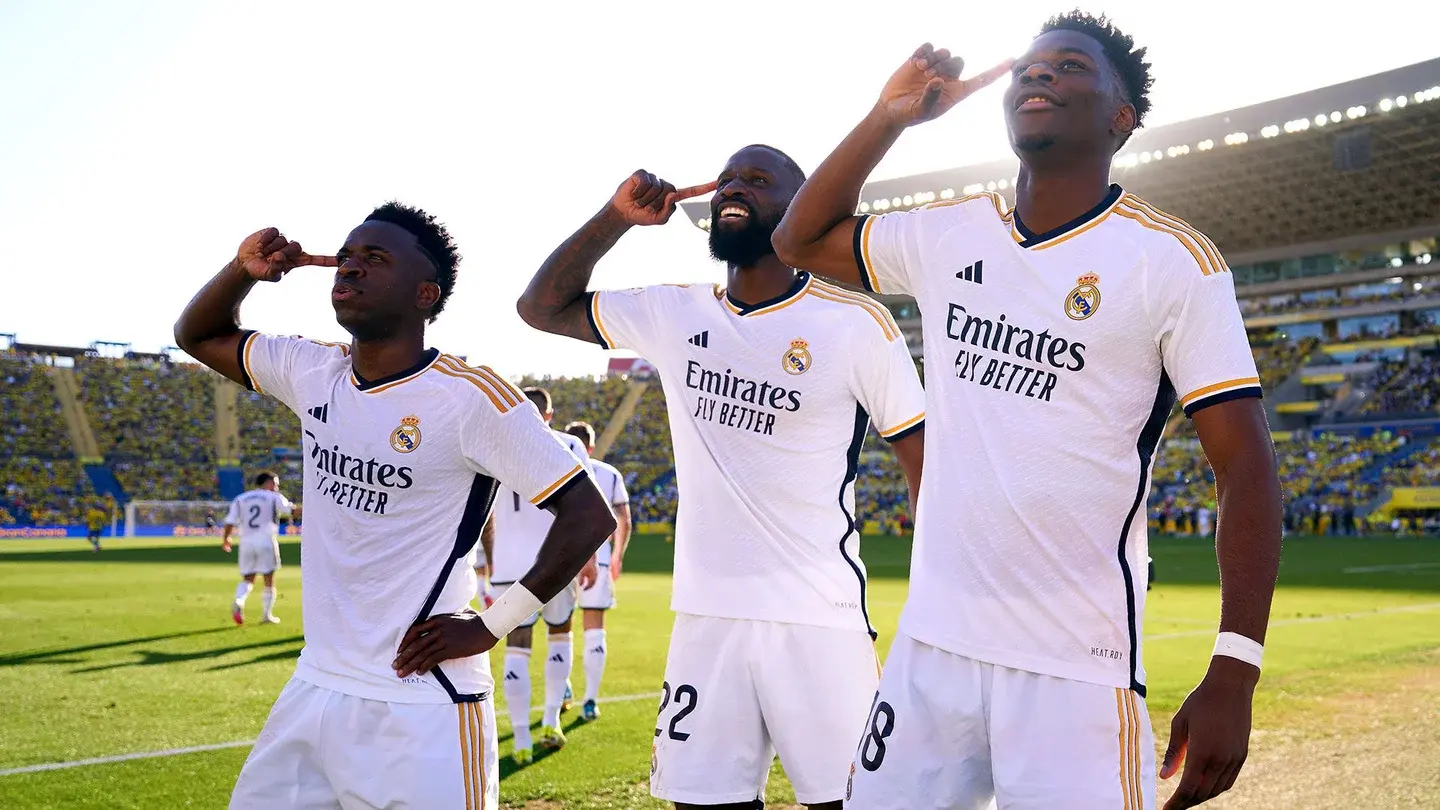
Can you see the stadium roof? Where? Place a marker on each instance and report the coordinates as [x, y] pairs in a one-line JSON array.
[[1289, 177]]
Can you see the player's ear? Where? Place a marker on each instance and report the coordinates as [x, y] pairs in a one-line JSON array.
[[1123, 122], [427, 295]]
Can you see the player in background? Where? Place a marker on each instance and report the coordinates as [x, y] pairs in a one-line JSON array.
[[1017, 671], [515, 531], [94, 523], [258, 514], [770, 382], [390, 704], [600, 597]]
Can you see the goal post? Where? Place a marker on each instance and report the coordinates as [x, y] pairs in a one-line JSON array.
[[174, 518]]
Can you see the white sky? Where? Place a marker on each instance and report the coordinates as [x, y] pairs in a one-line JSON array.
[[141, 141]]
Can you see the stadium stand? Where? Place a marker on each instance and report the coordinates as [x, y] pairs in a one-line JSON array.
[[155, 422], [1324, 204]]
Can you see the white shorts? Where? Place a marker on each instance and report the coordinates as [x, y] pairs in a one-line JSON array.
[[949, 731], [601, 595], [736, 692], [257, 558], [326, 749], [555, 612]]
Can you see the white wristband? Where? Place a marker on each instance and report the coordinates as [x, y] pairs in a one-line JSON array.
[[511, 610], [1240, 648]]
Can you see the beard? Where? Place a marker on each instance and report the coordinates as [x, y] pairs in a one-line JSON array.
[[742, 247], [1034, 143]]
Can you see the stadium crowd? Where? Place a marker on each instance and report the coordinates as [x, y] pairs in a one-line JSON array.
[[155, 423]]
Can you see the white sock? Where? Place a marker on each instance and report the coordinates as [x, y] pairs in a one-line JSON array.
[[557, 675], [269, 600], [594, 662], [517, 693], [241, 591]]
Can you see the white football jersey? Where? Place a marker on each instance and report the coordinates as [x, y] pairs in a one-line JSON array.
[[768, 406], [1052, 361], [400, 474], [520, 526], [612, 485], [257, 513]]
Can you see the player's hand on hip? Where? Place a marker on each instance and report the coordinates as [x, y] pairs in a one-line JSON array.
[[929, 84], [1210, 735], [589, 574], [644, 199], [441, 638], [267, 256]]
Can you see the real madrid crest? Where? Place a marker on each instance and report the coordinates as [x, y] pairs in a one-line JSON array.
[[406, 438], [796, 359], [1084, 300]]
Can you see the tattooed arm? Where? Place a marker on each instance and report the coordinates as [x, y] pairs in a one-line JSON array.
[[555, 300]]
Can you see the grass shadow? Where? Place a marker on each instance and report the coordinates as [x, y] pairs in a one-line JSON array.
[[49, 656], [150, 658], [507, 762]]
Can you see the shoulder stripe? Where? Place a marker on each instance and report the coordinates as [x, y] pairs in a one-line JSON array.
[[1216, 259], [501, 405], [874, 308], [1189, 242], [502, 386], [343, 347]]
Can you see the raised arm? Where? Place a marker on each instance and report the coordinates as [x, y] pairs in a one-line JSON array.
[[818, 231], [1211, 732], [209, 328], [555, 301]]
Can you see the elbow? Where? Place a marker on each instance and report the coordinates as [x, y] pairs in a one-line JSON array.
[[788, 249], [532, 313], [183, 338]]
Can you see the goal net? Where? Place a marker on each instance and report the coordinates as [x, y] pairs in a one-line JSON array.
[[174, 518]]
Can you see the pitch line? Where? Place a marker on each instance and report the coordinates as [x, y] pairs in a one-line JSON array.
[[195, 749], [1334, 617]]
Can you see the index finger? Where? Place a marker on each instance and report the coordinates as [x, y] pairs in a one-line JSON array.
[[695, 191], [317, 261], [989, 76]]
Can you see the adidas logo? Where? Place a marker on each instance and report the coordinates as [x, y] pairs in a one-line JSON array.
[[973, 272], [558, 658], [702, 340], [599, 650], [512, 676], [320, 411]]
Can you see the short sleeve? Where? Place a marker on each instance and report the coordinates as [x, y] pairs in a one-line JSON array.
[[619, 495], [271, 363], [880, 251], [626, 319], [232, 517], [284, 506], [1201, 333], [888, 387], [512, 444]]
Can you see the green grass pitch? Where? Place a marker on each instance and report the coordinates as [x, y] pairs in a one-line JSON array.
[[133, 651]]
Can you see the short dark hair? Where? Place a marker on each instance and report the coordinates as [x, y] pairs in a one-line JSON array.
[[264, 478], [788, 161], [539, 396], [582, 431], [434, 240], [1128, 60]]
